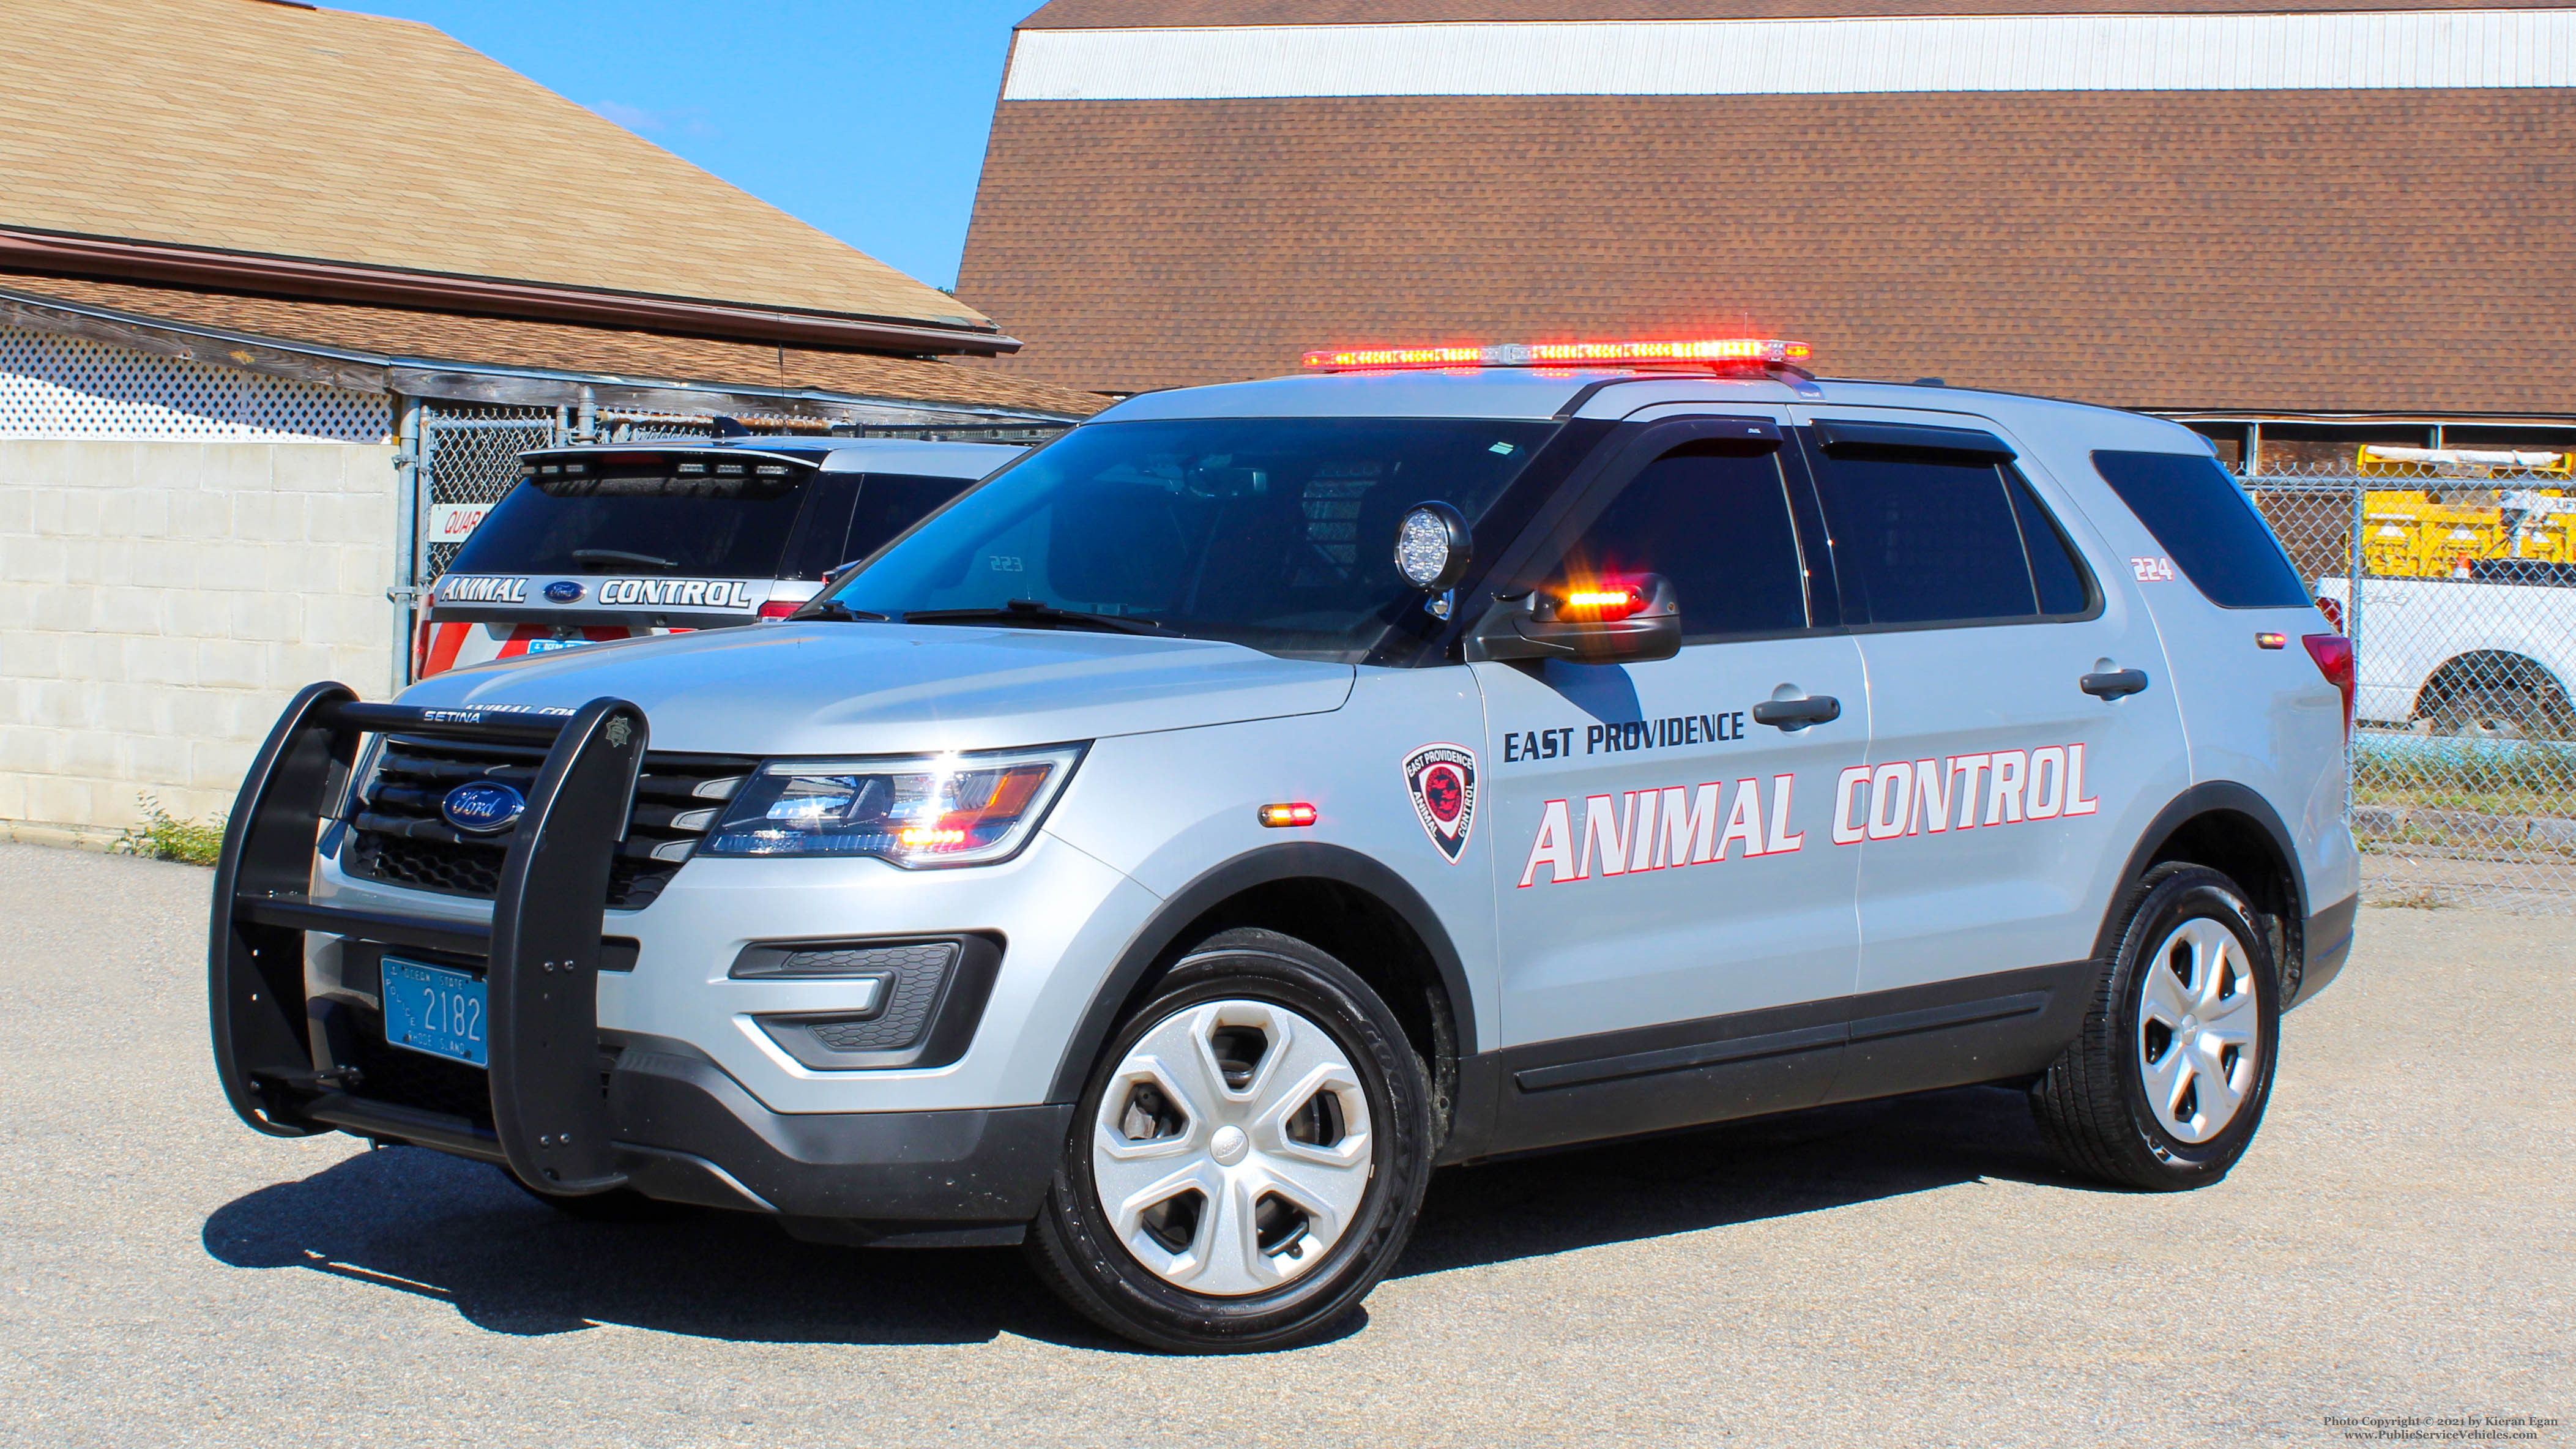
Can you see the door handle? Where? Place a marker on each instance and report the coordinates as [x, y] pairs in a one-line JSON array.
[[1796, 714], [2114, 684]]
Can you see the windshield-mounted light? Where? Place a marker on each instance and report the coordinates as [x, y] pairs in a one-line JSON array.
[[914, 811]]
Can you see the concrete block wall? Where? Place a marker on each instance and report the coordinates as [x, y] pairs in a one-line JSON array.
[[159, 603]]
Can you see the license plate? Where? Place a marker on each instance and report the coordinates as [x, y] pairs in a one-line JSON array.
[[546, 646], [435, 1011]]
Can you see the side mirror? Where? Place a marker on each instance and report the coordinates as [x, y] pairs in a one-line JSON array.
[[1632, 618]]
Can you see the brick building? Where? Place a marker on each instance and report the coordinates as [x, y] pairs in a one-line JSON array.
[[2340, 224]]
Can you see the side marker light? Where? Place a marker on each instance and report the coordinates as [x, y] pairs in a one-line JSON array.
[[2269, 640], [1279, 817]]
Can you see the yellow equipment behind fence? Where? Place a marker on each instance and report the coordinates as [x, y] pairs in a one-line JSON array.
[[2466, 504]]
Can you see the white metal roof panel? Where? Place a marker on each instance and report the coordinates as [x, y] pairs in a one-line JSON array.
[[2346, 50]]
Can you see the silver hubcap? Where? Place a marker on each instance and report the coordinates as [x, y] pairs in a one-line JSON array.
[[2196, 1037], [1232, 1150]]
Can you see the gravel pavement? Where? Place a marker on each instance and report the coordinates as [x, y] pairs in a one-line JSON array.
[[2401, 1242]]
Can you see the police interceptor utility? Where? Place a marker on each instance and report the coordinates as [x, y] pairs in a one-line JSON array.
[[595, 543], [1171, 851]]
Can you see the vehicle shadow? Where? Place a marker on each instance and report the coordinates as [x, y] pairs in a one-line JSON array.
[[418, 1222], [1710, 1177], [414, 1221]]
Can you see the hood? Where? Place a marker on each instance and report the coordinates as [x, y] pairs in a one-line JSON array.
[[884, 689]]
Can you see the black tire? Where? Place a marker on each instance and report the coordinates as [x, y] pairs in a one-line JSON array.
[[1078, 1253], [2092, 1104], [617, 1205], [2513, 714]]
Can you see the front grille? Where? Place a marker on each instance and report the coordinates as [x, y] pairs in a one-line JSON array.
[[400, 838]]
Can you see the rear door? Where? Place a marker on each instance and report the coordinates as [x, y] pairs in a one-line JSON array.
[[1999, 798], [1677, 933]]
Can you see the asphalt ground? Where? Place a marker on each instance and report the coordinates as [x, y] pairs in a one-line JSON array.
[[2400, 1243]]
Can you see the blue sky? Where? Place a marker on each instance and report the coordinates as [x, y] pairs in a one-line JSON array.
[[865, 118]]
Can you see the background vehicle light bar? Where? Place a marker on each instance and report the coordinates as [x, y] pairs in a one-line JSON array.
[[1754, 351]]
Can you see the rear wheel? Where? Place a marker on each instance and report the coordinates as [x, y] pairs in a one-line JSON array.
[[1247, 1158], [2168, 1082], [2493, 714]]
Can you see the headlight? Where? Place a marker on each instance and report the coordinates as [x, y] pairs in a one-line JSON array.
[[922, 810]]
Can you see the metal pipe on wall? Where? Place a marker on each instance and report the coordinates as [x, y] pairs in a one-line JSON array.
[[410, 504]]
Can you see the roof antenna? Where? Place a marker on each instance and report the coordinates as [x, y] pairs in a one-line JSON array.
[[730, 427]]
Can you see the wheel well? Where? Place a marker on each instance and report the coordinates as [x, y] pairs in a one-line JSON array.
[[2481, 670], [2239, 847], [1365, 934]]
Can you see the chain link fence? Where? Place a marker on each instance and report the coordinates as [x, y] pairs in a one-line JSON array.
[[2456, 579], [469, 457]]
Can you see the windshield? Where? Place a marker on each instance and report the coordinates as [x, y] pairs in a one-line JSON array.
[[734, 527], [1277, 533]]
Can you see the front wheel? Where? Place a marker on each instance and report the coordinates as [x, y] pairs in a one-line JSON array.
[[2165, 1087], [1247, 1158]]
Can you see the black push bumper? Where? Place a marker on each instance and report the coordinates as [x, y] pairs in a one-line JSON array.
[[569, 1111]]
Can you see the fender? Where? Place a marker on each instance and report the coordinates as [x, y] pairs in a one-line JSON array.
[[1298, 860], [2201, 799]]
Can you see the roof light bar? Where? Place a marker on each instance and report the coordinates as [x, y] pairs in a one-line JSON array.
[[1748, 351]]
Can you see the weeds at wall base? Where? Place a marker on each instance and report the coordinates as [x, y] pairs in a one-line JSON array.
[[164, 836]]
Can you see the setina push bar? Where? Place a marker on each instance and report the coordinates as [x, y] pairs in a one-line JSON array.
[[550, 1119]]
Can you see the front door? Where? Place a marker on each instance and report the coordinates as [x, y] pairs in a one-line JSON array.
[[1999, 799], [1677, 932]]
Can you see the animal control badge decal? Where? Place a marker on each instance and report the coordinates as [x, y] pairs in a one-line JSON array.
[[1442, 779]]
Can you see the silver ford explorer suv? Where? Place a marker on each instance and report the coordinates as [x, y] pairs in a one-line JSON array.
[[1176, 848]]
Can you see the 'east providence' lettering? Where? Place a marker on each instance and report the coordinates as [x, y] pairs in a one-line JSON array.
[[1636, 734]]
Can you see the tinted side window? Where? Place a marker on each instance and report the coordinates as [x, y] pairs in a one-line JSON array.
[[889, 503], [2196, 511], [1929, 540], [1715, 521], [2055, 570]]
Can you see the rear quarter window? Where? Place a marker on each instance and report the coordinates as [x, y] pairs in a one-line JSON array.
[[2204, 523]]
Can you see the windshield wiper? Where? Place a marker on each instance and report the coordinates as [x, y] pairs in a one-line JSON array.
[[838, 612], [619, 555], [1032, 614]]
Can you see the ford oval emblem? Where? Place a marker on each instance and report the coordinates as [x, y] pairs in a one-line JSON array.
[[483, 807], [563, 591]]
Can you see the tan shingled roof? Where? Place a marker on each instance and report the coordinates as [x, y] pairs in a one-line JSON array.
[[644, 357], [2298, 250], [286, 131], [1135, 14]]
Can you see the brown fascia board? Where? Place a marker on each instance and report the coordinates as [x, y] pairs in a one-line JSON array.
[[437, 291], [467, 382]]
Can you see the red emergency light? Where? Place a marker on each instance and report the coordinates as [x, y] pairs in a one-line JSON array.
[[1748, 352], [1601, 603]]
